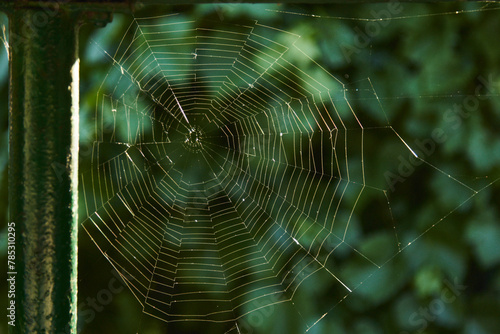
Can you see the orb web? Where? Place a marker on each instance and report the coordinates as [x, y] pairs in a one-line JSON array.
[[227, 167]]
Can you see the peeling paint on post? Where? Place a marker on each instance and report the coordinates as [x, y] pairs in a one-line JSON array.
[[43, 123]]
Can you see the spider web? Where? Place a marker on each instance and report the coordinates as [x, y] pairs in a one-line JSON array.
[[226, 176]]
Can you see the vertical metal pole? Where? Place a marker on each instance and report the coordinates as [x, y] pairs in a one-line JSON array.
[[43, 150]]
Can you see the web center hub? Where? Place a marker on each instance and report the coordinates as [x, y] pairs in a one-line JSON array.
[[194, 138]]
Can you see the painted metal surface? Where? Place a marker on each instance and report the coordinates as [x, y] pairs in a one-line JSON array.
[[131, 5], [43, 149]]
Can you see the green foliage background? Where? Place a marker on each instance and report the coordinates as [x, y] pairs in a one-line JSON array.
[[420, 65]]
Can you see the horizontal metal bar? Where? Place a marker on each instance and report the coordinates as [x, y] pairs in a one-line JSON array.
[[132, 5]]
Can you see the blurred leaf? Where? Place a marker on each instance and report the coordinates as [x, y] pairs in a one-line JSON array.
[[483, 233], [428, 281]]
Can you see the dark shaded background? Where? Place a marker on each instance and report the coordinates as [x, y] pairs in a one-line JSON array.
[[421, 65]]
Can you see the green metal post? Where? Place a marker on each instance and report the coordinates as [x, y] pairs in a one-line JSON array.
[[43, 123]]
